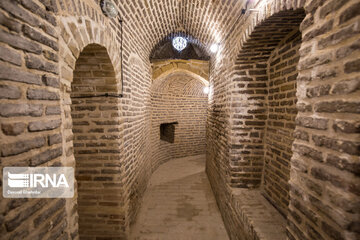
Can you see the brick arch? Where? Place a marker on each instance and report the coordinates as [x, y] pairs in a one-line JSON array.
[[178, 97], [180, 82], [265, 10], [97, 149], [93, 123], [196, 68], [264, 108], [76, 34], [164, 49], [181, 70]]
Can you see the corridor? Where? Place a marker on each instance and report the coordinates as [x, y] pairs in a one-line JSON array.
[[129, 96], [179, 204]]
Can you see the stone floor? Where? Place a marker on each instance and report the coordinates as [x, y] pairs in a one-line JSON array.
[[179, 204]]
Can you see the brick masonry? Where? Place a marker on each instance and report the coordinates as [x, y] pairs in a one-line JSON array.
[[263, 98], [42, 40], [264, 107], [178, 96], [97, 148], [324, 66], [280, 125]]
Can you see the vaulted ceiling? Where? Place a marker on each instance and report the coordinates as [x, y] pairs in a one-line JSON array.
[[207, 20], [180, 83]]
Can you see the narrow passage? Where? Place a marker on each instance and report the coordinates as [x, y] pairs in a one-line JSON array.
[[179, 204]]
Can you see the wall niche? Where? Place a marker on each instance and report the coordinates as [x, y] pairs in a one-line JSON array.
[[167, 132]]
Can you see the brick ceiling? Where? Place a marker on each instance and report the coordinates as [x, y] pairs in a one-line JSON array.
[[179, 84], [207, 20]]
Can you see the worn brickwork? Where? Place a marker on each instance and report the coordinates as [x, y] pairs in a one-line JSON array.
[[41, 41], [97, 147], [264, 108], [324, 180], [325, 64], [253, 106], [30, 116], [36, 27], [252, 109], [75, 37], [178, 97], [280, 125]]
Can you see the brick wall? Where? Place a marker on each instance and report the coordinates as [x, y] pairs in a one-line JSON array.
[[178, 97], [42, 42], [324, 178], [137, 117], [253, 108], [42, 39], [264, 108], [30, 115], [97, 147], [280, 125], [329, 35]]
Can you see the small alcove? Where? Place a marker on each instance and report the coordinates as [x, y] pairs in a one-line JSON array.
[[167, 132]]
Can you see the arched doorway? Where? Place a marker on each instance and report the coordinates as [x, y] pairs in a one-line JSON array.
[[266, 85], [97, 145], [179, 107]]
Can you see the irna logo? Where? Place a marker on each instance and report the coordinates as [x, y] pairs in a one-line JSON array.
[[36, 180]]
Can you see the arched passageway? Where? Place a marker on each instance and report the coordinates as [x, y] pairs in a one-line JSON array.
[[178, 115], [97, 147], [306, 167], [262, 130], [178, 106], [266, 73]]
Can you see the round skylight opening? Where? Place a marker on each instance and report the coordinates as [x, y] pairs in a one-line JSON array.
[[179, 43]]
